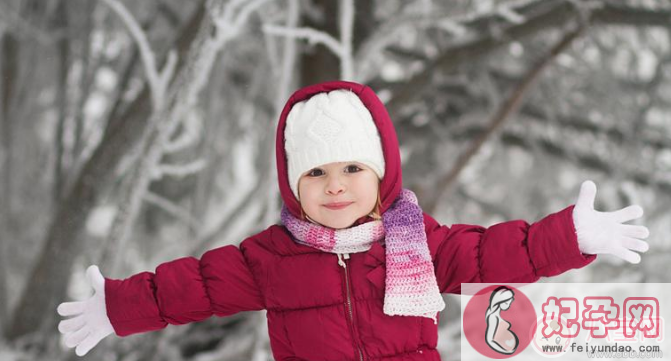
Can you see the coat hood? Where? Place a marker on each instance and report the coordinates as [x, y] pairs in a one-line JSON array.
[[390, 186]]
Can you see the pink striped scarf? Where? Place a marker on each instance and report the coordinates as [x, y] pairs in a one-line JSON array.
[[410, 288]]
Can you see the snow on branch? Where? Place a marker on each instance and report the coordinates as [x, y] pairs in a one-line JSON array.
[[346, 29], [158, 79], [227, 22], [243, 15], [510, 15], [311, 35], [452, 27], [181, 98], [288, 56], [192, 125], [342, 49], [178, 171], [172, 208], [585, 9]]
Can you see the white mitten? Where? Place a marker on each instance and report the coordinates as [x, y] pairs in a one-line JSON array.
[[604, 232], [90, 324]]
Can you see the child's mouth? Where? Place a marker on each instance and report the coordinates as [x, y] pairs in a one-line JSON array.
[[337, 205]]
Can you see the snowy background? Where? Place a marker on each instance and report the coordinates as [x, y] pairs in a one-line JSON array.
[[136, 132]]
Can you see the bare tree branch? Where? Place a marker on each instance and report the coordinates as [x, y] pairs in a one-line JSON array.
[[64, 237], [287, 72], [63, 45], [227, 22], [540, 16], [311, 35], [173, 209], [346, 30], [179, 171], [341, 48], [445, 183], [158, 79], [8, 69]]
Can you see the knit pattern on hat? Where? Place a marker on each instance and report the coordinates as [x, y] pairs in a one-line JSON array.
[[330, 127], [411, 288]]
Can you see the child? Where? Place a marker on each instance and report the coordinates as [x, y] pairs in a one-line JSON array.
[[356, 269]]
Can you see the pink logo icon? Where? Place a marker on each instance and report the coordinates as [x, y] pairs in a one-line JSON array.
[[497, 320]]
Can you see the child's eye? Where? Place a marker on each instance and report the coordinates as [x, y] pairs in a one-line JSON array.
[[352, 168], [315, 172]]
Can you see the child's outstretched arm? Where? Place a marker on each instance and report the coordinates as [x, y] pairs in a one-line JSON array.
[[519, 252], [181, 291]]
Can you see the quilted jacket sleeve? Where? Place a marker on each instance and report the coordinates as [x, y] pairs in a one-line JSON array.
[[181, 291], [509, 252]]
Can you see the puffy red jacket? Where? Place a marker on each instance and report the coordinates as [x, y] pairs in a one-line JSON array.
[[318, 310]]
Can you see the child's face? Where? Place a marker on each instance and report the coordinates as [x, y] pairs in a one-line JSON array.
[[337, 194]]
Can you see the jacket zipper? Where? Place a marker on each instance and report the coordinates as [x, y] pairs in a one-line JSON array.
[[343, 264]]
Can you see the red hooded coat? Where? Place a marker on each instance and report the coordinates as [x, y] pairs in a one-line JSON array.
[[306, 292]]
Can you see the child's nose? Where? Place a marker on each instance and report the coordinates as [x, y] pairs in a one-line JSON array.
[[335, 185]]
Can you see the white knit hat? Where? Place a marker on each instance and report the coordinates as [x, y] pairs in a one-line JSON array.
[[331, 127]]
